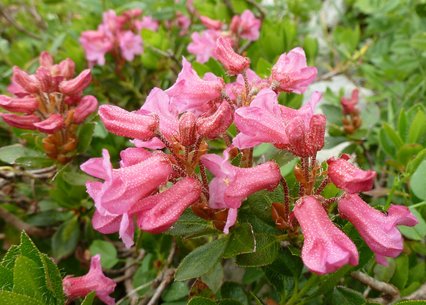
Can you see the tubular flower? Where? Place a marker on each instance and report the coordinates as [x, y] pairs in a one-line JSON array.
[[348, 177], [213, 125], [157, 213], [49, 101], [94, 280], [232, 185], [191, 93], [246, 26], [325, 247], [234, 63], [211, 24], [378, 230], [350, 105], [203, 44], [291, 73]]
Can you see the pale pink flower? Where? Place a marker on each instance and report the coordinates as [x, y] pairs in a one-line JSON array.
[[232, 185], [183, 23], [291, 73], [130, 45], [325, 247], [348, 177], [94, 280], [191, 93], [147, 22], [350, 105], [203, 44], [378, 230], [234, 63], [211, 24], [96, 44], [246, 26], [128, 124], [157, 213]]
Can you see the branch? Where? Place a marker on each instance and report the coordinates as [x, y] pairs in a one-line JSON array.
[[15, 24], [376, 284], [22, 226]]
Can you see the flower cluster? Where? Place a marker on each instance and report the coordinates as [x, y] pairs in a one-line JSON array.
[[50, 101], [118, 35], [245, 26], [351, 115]]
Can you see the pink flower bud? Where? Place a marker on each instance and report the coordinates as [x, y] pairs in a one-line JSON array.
[[211, 24], [77, 84], [159, 212], [187, 129], [52, 124], [45, 59], [291, 73], [94, 280], [348, 177], [350, 105], [85, 107], [128, 124], [233, 62], [66, 68], [20, 121], [26, 81], [25, 104], [213, 125], [246, 26], [48, 83], [378, 230], [325, 248]]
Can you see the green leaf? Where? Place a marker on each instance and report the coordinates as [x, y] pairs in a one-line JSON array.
[[9, 154], [65, 239], [266, 252], [342, 295], [106, 250], [413, 302], [88, 300], [175, 292], [190, 225], [27, 277], [85, 135], [263, 67], [233, 291], [201, 260], [8, 260], [241, 240], [417, 127], [418, 232], [392, 135], [228, 302], [6, 278], [417, 181], [12, 298], [201, 301], [214, 278], [400, 276]]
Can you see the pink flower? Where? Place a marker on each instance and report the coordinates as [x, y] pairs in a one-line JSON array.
[[96, 44], [235, 89], [94, 280], [232, 185], [378, 230], [348, 177], [350, 105], [130, 45], [20, 121], [128, 124], [233, 62], [246, 26], [291, 73], [212, 125], [124, 186], [325, 248], [113, 223], [76, 85], [183, 23], [187, 129], [52, 124], [87, 105], [28, 82], [211, 24], [147, 22], [203, 44], [26, 104], [192, 93], [157, 213]]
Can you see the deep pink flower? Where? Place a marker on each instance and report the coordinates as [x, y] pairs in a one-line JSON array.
[[28, 82], [212, 125], [20, 121], [232, 185], [128, 124], [234, 63], [26, 104], [76, 85], [350, 105], [52, 124], [147, 22], [246, 26], [130, 45], [45, 59], [87, 105], [348, 177], [378, 230], [203, 44], [211, 24], [157, 213], [325, 247], [187, 129], [96, 44], [291, 73], [192, 93], [124, 186], [94, 280]]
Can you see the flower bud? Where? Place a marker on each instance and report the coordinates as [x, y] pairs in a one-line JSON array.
[[20, 121], [187, 129], [66, 68], [45, 59], [25, 104], [216, 124], [26, 81], [85, 107], [233, 62], [211, 24], [52, 124], [77, 84]]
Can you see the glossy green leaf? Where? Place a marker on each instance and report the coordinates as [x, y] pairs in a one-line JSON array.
[[106, 250], [65, 239], [241, 240], [266, 252], [417, 181]]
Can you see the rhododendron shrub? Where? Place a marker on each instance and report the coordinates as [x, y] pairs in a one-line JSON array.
[[212, 152]]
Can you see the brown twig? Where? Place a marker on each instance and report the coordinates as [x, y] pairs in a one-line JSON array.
[[375, 284], [23, 226], [15, 24]]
